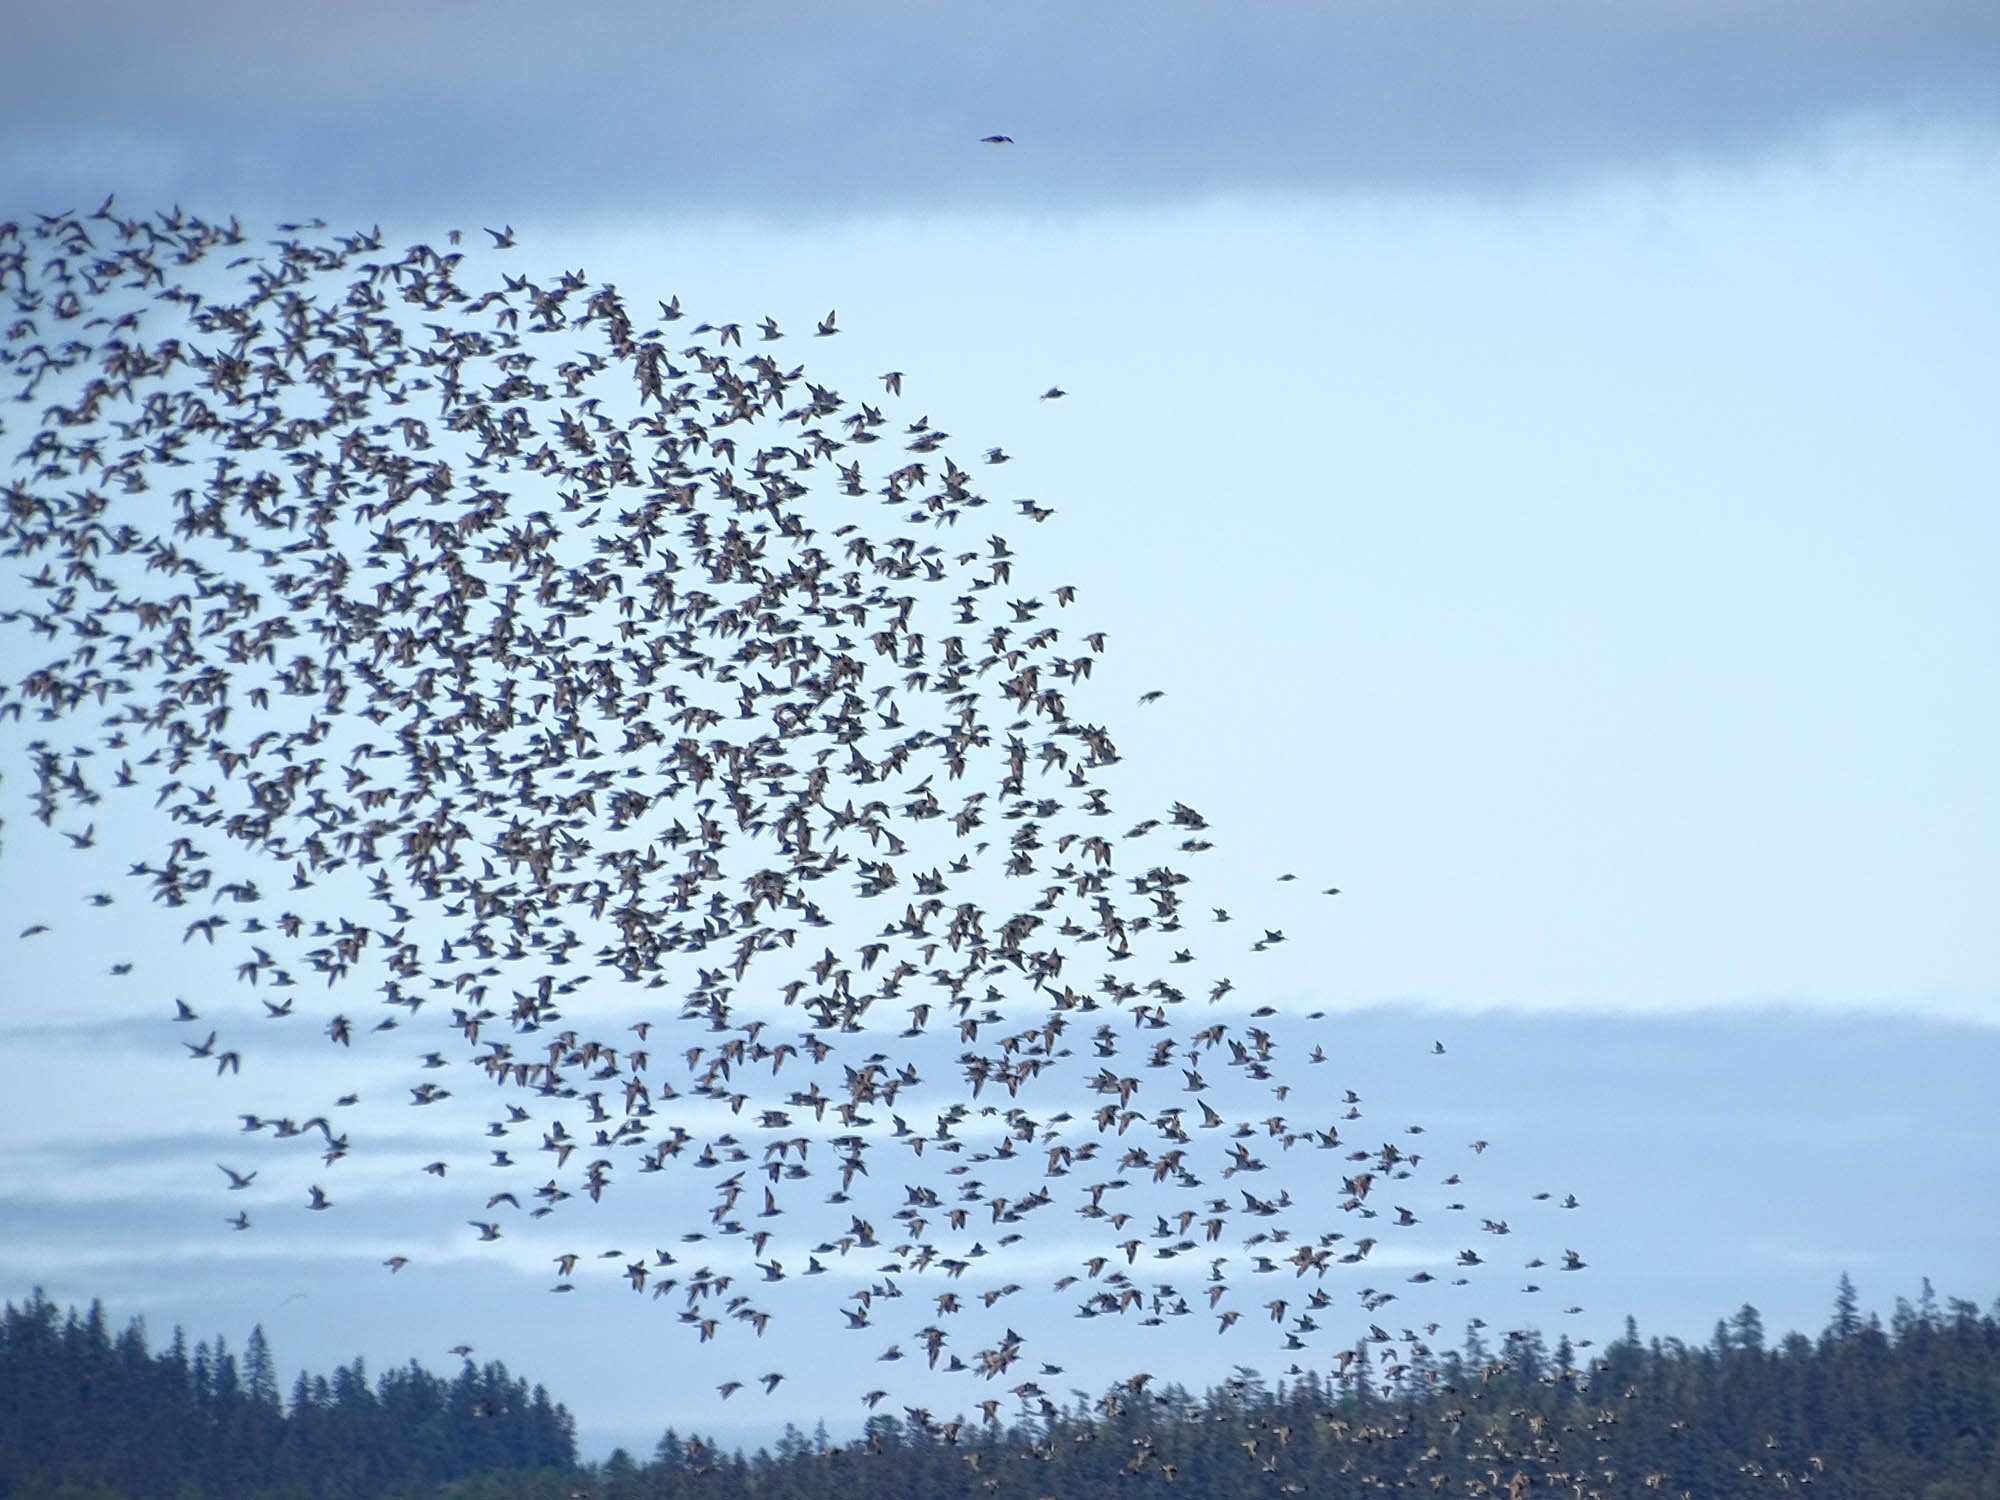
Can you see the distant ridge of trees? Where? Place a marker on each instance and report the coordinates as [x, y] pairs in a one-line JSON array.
[[1906, 1411], [86, 1414]]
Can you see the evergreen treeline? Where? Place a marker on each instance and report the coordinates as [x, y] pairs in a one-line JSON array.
[[1910, 1411], [1906, 1412], [89, 1415]]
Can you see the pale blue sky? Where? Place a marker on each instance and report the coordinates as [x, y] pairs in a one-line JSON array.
[[1549, 467]]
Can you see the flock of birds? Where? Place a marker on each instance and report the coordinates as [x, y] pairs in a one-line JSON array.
[[515, 668]]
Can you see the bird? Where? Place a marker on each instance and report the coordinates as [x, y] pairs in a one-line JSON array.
[[996, 140]]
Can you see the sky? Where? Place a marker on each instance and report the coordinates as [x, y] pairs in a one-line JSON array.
[[1541, 454]]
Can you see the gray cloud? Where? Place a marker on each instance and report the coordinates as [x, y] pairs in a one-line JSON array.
[[791, 110]]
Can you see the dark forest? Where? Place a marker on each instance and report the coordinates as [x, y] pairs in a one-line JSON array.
[[1906, 1409]]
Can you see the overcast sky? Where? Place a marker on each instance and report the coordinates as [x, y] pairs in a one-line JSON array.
[[1544, 454], [814, 111]]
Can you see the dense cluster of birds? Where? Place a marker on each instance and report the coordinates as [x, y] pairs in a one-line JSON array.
[[518, 662]]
